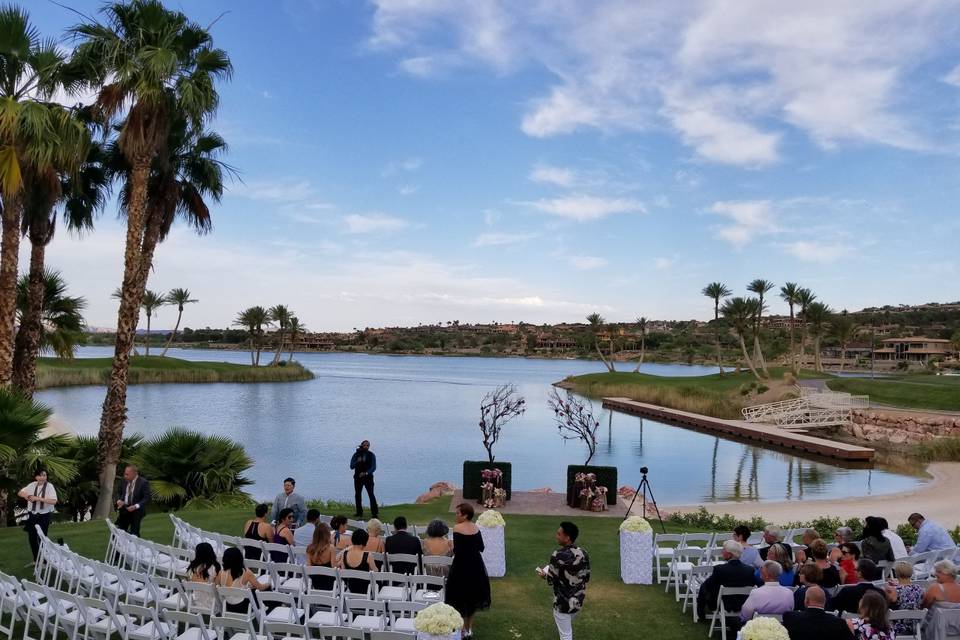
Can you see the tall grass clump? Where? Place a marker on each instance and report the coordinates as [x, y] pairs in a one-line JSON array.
[[940, 450], [80, 372], [702, 401]]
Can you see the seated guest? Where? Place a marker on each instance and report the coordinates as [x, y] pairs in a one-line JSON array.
[[341, 538], [283, 534], [848, 597], [808, 576], [849, 556], [750, 556], [930, 535], [873, 619], [814, 623], [732, 573], [903, 593], [802, 554], [873, 544], [437, 543], [896, 542], [203, 568], [778, 554], [235, 574], [830, 574], [841, 536], [320, 553], [402, 542], [773, 535], [946, 589], [772, 597], [303, 535], [375, 533], [257, 529], [357, 558]]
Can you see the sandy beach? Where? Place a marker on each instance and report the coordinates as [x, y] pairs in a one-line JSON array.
[[937, 500]]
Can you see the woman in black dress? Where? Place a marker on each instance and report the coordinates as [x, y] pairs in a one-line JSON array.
[[468, 587]]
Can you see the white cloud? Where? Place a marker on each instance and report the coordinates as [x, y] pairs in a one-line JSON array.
[[587, 263], [407, 165], [408, 189], [583, 208], [280, 190], [373, 223], [662, 264], [558, 176], [495, 239], [953, 77], [818, 251], [748, 219]]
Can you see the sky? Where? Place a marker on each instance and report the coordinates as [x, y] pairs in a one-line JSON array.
[[421, 161]]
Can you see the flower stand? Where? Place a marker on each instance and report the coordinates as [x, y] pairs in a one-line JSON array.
[[427, 636], [636, 551], [494, 551]]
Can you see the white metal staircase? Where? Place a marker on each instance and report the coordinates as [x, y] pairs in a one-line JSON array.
[[814, 408]]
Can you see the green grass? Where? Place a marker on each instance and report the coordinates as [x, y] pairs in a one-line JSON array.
[[55, 372], [712, 395], [916, 391], [521, 601]]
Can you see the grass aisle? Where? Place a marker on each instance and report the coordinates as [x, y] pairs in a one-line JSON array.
[[936, 393], [521, 601]]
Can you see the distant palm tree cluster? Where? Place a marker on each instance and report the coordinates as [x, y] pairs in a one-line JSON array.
[[256, 320]]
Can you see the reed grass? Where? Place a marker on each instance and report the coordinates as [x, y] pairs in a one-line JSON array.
[[703, 401], [940, 450]]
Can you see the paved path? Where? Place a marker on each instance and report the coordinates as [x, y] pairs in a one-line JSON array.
[[543, 504]]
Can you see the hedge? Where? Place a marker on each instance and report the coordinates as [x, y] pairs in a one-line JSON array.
[[472, 479], [606, 477]]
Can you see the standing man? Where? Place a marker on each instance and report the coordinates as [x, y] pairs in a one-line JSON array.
[[287, 499], [132, 500], [568, 573], [364, 464], [41, 497]]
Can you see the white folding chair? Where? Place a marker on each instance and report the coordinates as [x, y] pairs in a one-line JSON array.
[[354, 577], [428, 589], [107, 622], [200, 597], [663, 553], [289, 577], [390, 586], [323, 572], [252, 549], [40, 609], [233, 598], [280, 630], [396, 562], [174, 597], [391, 635], [681, 568], [721, 615], [9, 604], [402, 614], [278, 552], [437, 565], [72, 616], [697, 577], [321, 611], [279, 607], [368, 615], [227, 628], [186, 626], [142, 623], [263, 571], [916, 616], [339, 633]]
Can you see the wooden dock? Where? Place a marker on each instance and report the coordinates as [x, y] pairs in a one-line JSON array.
[[745, 431]]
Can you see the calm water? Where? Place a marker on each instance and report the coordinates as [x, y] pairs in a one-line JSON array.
[[421, 415]]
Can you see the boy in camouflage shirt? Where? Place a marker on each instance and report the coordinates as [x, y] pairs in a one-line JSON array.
[[568, 573]]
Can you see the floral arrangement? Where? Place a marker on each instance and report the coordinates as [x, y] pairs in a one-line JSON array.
[[490, 519], [494, 495], [591, 497], [438, 620], [764, 629], [636, 524]]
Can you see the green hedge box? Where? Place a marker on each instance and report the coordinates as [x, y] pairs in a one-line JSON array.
[[472, 481]]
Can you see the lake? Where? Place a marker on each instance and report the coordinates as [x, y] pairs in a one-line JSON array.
[[421, 414]]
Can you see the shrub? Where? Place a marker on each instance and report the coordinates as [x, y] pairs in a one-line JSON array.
[[908, 533], [945, 449], [334, 507], [472, 480]]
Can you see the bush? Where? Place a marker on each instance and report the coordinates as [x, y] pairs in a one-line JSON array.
[[332, 507], [908, 533], [946, 449], [606, 477], [703, 519], [472, 480]]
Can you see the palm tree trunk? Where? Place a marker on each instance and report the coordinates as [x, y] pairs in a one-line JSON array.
[[791, 333], [802, 351], [31, 327], [843, 356], [147, 352], [172, 335], [110, 437], [253, 362], [716, 332], [276, 356], [746, 357], [9, 256], [817, 364], [603, 359], [758, 354], [292, 340], [643, 353]]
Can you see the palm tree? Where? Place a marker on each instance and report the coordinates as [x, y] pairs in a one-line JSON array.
[[805, 298], [642, 325], [717, 291], [760, 287], [153, 65], [35, 136], [296, 330], [739, 313], [281, 315], [61, 317], [150, 303], [596, 322], [790, 293], [179, 297], [254, 320], [83, 193], [818, 316], [843, 329], [24, 447]]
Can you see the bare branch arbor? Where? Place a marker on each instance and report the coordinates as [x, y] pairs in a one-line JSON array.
[[497, 408], [575, 420]]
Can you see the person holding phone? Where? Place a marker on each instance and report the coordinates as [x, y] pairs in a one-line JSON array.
[[364, 464], [568, 573]]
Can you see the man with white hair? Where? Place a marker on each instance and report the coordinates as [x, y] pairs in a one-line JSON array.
[[772, 597], [732, 573], [772, 534]]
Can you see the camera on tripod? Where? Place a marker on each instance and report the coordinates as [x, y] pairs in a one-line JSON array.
[[644, 470], [644, 490]]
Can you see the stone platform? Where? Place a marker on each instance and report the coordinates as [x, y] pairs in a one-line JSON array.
[[532, 503]]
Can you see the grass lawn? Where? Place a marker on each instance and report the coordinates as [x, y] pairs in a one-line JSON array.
[[56, 372], [914, 391], [712, 395], [521, 600]]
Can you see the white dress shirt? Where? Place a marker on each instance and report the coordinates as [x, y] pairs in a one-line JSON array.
[[49, 494]]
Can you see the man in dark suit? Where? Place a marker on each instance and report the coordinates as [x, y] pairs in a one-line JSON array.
[[813, 623], [402, 542], [848, 597], [132, 500], [732, 573]]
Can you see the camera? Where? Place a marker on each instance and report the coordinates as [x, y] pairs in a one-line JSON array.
[[644, 470]]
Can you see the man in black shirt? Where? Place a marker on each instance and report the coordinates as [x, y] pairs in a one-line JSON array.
[[402, 542], [364, 464], [813, 623]]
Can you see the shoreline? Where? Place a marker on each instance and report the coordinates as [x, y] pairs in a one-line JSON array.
[[936, 500]]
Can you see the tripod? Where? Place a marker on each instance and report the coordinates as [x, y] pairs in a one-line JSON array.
[[644, 488]]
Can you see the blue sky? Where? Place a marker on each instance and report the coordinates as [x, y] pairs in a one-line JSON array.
[[416, 161]]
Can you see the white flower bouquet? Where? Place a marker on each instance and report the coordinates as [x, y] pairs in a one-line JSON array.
[[636, 524], [438, 621], [490, 518], [764, 629]]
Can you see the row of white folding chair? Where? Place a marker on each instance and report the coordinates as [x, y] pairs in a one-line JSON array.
[[686, 555], [135, 553], [721, 615]]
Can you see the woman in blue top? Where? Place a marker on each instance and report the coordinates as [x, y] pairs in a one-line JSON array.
[[778, 553]]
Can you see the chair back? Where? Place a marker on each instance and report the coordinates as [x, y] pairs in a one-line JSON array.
[[396, 562], [277, 630], [227, 626], [181, 621], [339, 633], [323, 572]]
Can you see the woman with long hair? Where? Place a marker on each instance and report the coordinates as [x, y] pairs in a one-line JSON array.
[[320, 553], [873, 544], [235, 574], [873, 619], [204, 569], [338, 527]]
